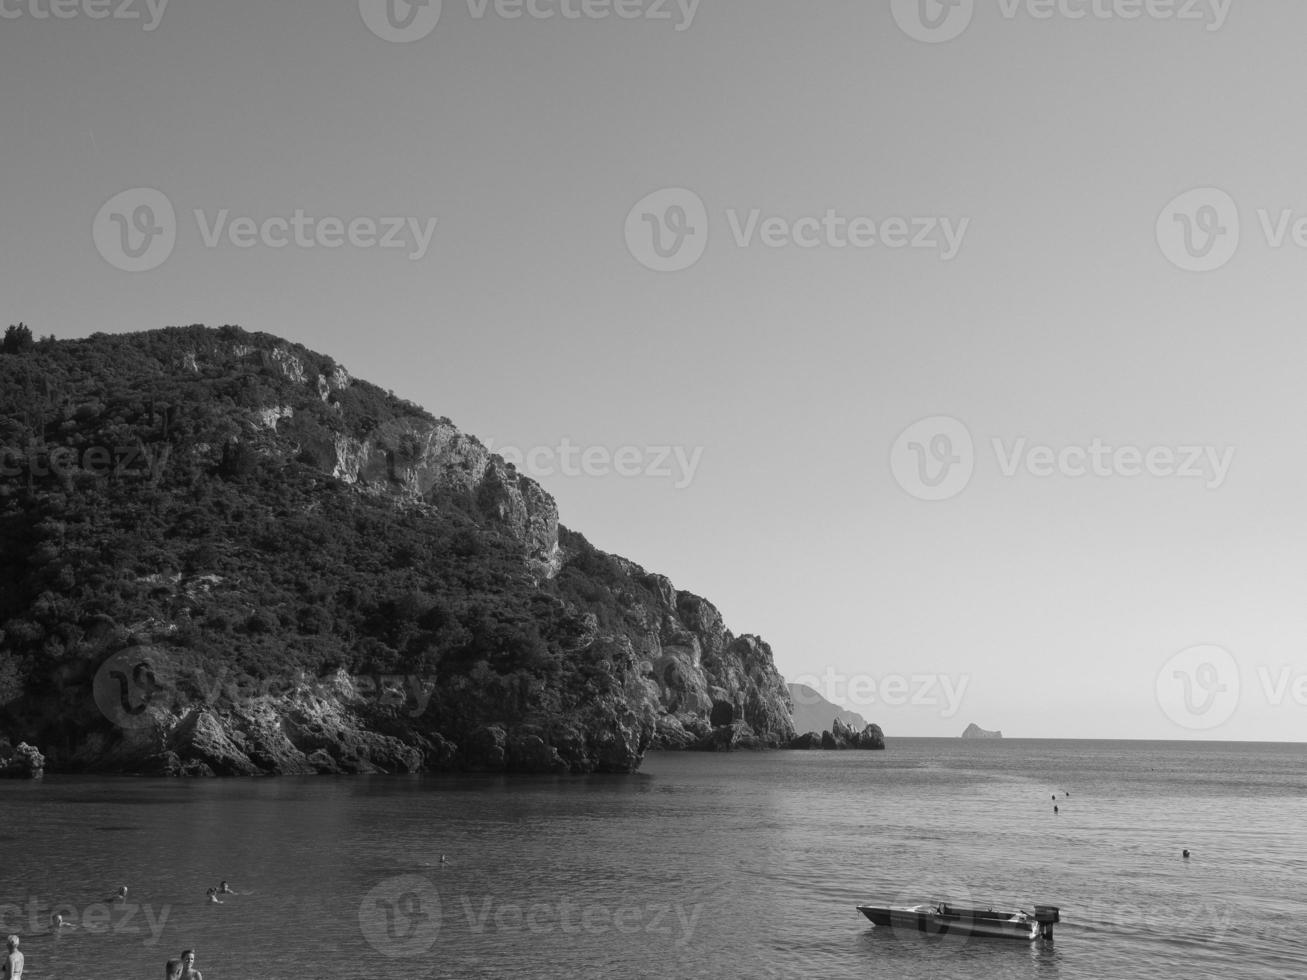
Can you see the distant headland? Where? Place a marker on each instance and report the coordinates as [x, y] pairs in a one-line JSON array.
[[975, 731]]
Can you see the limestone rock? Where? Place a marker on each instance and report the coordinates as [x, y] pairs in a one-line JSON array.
[[23, 762]]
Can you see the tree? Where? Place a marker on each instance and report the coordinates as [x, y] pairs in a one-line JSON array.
[[18, 340]]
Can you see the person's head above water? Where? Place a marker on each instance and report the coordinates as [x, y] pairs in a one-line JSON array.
[[172, 970]]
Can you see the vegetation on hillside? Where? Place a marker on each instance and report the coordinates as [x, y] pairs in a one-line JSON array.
[[138, 503]]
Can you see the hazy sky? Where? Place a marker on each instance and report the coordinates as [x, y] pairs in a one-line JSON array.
[[1047, 286]]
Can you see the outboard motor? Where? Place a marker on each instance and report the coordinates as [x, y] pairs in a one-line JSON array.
[[1046, 915]]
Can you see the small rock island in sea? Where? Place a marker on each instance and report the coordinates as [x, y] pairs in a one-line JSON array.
[[975, 731]]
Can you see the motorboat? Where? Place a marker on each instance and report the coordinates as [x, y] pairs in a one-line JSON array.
[[942, 918]]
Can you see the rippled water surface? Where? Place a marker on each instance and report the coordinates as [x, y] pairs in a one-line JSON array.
[[747, 865]]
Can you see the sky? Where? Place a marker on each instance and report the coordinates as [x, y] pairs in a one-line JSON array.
[[953, 348]]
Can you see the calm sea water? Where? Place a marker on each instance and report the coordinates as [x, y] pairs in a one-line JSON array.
[[744, 865]]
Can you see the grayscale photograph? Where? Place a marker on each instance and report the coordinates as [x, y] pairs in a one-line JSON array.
[[640, 489]]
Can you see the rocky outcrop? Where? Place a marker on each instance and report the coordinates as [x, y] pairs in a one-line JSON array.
[[975, 731], [431, 461], [23, 762], [708, 688], [841, 736]]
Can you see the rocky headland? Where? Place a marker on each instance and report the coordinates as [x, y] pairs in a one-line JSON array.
[[222, 554], [975, 731]]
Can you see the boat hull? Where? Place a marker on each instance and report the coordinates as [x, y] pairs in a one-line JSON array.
[[956, 922]]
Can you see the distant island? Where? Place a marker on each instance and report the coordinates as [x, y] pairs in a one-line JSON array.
[[975, 731]]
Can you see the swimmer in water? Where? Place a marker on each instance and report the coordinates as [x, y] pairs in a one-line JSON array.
[[57, 922], [442, 859], [1185, 852], [172, 970], [121, 896], [1055, 808], [224, 888], [212, 893]]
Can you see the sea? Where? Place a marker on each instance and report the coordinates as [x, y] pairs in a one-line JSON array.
[[741, 865]]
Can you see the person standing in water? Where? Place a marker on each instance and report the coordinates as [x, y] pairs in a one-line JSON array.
[[188, 966], [13, 963], [172, 970]]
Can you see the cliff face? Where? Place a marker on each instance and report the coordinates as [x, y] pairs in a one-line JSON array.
[[975, 731], [284, 569], [433, 460]]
